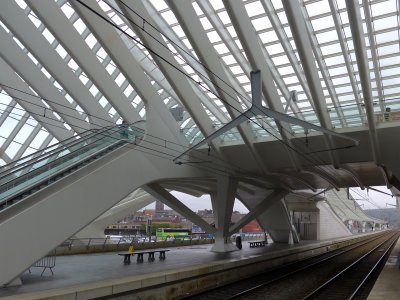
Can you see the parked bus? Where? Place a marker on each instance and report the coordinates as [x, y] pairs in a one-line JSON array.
[[169, 233]]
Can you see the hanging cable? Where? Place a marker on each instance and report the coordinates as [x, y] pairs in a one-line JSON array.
[[172, 65], [232, 107]]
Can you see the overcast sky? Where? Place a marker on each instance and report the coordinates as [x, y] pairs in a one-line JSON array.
[[369, 199], [200, 203], [366, 199]]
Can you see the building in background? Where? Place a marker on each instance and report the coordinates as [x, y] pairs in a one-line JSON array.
[[135, 224]]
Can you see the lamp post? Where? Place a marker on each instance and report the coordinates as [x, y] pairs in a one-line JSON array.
[[148, 227]]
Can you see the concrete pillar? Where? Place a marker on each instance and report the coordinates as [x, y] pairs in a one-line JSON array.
[[290, 241], [222, 202]]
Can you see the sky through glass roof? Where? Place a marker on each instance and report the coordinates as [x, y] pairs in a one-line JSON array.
[[326, 25]]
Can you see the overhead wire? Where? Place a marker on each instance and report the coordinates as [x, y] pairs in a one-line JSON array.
[[172, 65], [47, 100], [53, 102], [157, 153], [167, 156], [365, 198], [194, 80], [199, 62], [164, 59], [81, 74], [150, 50], [162, 141], [315, 162], [181, 48], [49, 109], [27, 118]]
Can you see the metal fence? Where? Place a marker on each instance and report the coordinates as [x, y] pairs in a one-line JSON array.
[[47, 262]]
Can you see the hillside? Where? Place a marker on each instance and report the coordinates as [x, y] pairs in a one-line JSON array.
[[392, 215]]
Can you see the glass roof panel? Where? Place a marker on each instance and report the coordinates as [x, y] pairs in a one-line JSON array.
[[323, 23], [385, 23], [217, 4], [383, 7], [254, 9], [386, 37], [338, 72], [261, 23], [328, 36], [317, 8]]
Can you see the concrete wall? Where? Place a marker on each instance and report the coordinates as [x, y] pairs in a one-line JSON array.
[[276, 220], [79, 198], [330, 226]]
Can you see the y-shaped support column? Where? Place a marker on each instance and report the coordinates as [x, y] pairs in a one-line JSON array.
[[222, 202], [164, 196], [257, 109]]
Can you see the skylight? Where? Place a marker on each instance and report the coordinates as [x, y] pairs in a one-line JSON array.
[[331, 40]]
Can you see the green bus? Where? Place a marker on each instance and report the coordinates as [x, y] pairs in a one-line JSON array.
[[175, 233]]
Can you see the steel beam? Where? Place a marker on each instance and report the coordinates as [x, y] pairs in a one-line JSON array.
[[343, 44], [173, 72], [257, 109], [303, 45], [30, 73], [164, 196], [357, 31], [66, 34], [261, 207], [208, 56]]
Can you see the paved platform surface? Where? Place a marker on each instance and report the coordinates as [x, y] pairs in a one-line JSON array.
[[387, 286], [77, 269], [89, 268]]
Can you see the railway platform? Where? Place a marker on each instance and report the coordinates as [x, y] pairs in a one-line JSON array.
[[184, 270], [90, 274], [387, 286]]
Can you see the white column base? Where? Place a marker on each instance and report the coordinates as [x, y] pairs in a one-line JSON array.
[[221, 246], [290, 241]]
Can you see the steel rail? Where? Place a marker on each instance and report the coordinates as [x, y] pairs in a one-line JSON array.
[[335, 277], [262, 285], [373, 269]]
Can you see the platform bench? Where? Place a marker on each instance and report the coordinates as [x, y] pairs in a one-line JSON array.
[[139, 255], [257, 244]]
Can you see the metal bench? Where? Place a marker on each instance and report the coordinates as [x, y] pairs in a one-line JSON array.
[[257, 244], [139, 254]]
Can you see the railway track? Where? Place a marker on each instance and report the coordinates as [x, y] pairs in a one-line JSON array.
[[342, 274], [352, 281]]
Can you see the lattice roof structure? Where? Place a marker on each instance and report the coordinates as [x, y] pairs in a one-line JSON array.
[[63, 65]]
